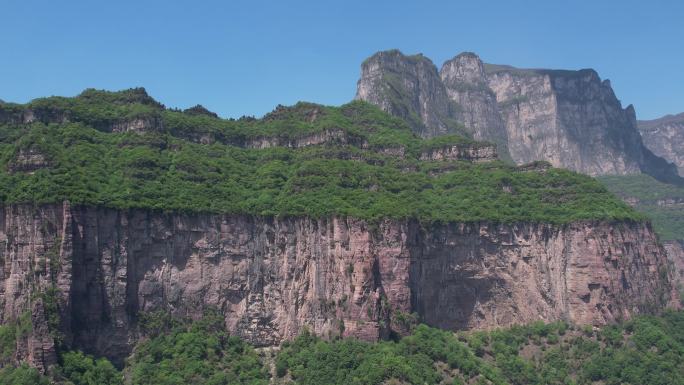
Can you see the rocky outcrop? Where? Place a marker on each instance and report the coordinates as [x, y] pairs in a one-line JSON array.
[[466, 85], [665, 137], [408, 87], [28, 160], [138, 125], [571, 119], [270, 277], [19, 116], [467, 152], [330, 136], [675, 254]]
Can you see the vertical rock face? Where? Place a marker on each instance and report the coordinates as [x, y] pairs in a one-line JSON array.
[[675, 255], [665, 137], [271, 277], [570, 118], [466, 85], [408, 87]]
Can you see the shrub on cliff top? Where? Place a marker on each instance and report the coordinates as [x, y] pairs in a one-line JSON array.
[[349, 175]]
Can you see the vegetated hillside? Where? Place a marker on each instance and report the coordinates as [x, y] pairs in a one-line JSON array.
[[665, 137], [125, 150], [663, 203], [645, 350], [334, 219]]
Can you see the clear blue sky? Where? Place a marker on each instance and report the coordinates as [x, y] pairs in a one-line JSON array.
[[244, 57]]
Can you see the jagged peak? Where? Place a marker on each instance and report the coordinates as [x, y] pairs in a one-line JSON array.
[[465, 67]]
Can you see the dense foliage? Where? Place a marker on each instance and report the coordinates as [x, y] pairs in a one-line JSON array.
[[645, 350], [199, 353], [662, 203], [193, 161]]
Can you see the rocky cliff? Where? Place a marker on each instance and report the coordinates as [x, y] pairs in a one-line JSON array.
[[570, 118], [675, 254], [665, 137], [99, 269], [408, 87]]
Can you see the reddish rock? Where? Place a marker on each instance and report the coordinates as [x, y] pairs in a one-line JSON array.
[[271, 277]]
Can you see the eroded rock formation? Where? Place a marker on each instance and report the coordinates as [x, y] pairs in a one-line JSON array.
[[270, 277], [571, 119], [665, 137]]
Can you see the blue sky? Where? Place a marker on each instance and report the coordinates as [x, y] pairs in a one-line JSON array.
[[244, 57]]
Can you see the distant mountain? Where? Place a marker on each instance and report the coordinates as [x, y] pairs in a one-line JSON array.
[[665, 137], [570, 118]]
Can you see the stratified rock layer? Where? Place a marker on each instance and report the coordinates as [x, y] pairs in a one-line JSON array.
[[271, 277]]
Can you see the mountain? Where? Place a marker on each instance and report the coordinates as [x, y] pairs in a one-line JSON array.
[[665, 137], [338, 220], [571, 119], [664, 204]]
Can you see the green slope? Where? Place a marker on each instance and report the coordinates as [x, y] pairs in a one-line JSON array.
[[645, 350], [167, 167], [663, 203]]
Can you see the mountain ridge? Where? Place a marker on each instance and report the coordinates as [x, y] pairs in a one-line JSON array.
[[560, 116]]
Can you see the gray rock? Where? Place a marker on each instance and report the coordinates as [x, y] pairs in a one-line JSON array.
[[665, 137], [571, 119], [270, 277]]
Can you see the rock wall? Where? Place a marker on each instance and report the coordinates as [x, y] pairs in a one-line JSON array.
[[468, 152], [571, 119], [466, 84], [675, 254], [271, 277], [408, 87], [665, 137]]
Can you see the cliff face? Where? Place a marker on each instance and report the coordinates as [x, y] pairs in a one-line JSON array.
[[476, 106], [271, 277], [408, 87], [665, 137], [571, 119]]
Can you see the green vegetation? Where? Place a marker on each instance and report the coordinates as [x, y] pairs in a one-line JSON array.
[[196, 353], [22, 375], [663, 203], [310, 361], [645, 350], [166, 167], [81, 369]]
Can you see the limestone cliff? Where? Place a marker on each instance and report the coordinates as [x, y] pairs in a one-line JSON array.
[[270, 277], [665, 137], [571, 119], [408, 87]]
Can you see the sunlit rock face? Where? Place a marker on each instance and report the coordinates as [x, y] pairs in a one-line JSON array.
[[271, 277], [571, 119], [665, 137]]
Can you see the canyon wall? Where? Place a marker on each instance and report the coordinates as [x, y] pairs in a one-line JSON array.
[[665, 137], [571, 119], [99, 269]]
